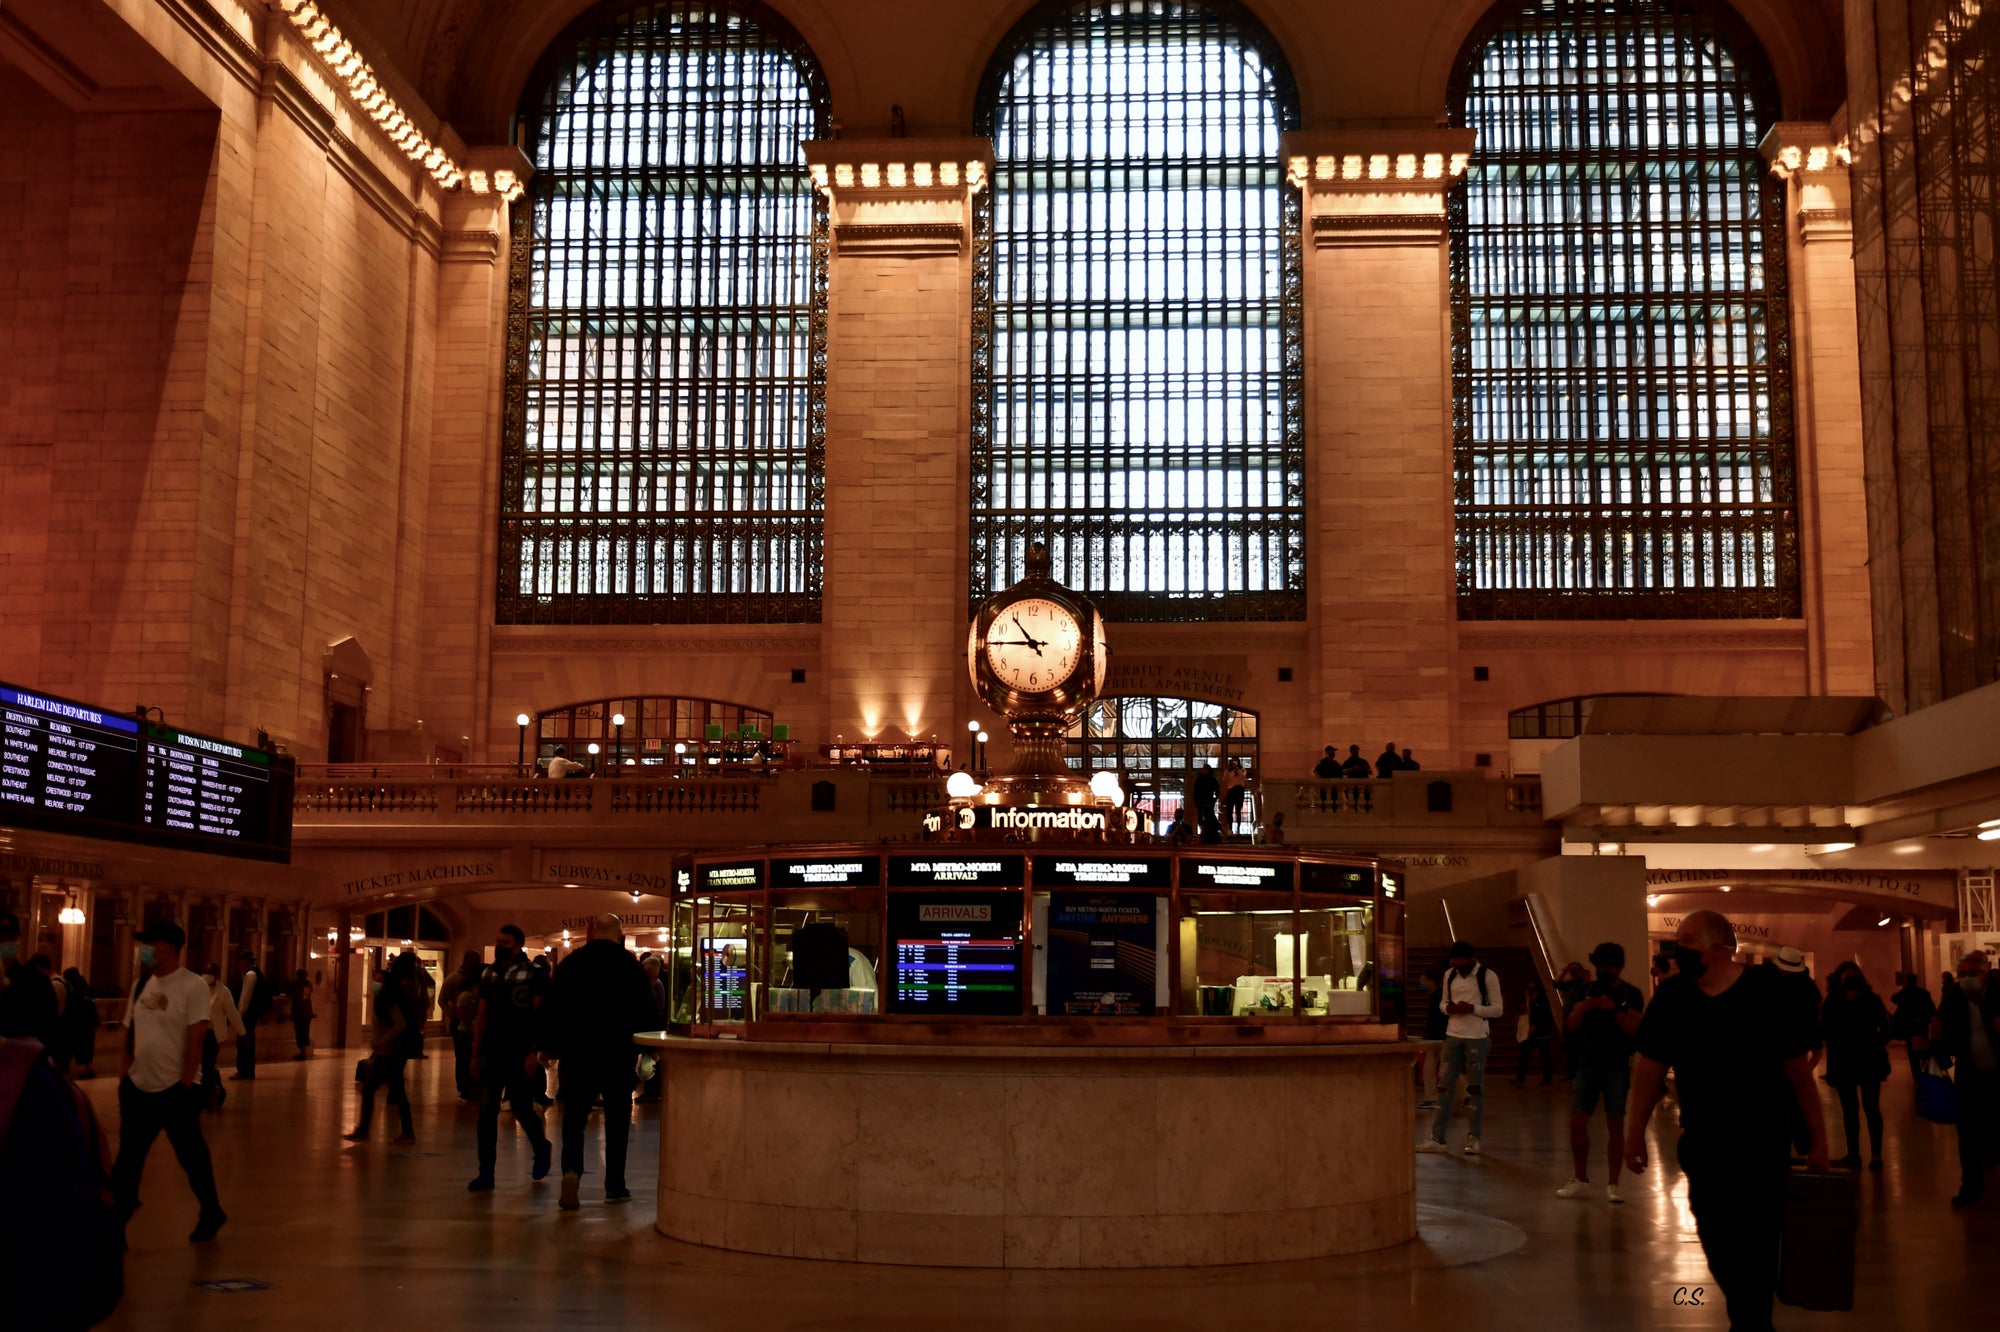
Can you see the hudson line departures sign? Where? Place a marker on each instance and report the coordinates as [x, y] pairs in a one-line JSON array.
[[68, 767]]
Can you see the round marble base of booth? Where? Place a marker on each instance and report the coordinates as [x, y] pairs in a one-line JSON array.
[[995, 1156]]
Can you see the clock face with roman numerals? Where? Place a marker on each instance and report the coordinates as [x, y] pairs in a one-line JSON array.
[[1033, 645]]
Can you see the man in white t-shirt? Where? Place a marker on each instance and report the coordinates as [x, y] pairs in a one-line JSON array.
[[1470, 999], [165, 1024]]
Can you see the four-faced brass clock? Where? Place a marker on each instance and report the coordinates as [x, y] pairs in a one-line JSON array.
[[1036, 650]]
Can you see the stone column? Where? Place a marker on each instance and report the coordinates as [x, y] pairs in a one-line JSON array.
[[1382, 592], [1826, 376], [463, 486], [897, 430]]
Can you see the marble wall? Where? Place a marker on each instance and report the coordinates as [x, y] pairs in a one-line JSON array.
[[985, 1156]]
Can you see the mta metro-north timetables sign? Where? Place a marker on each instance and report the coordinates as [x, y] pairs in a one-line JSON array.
[[68, 767]]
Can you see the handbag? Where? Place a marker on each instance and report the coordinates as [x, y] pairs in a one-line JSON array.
[[1521, 1029], [1937, 1099]]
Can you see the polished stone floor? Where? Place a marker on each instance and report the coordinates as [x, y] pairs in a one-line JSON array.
[[348, 1236]]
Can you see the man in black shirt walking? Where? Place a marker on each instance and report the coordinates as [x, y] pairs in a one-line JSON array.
[[1603, 1019], [1733, 1038], [597, 999]]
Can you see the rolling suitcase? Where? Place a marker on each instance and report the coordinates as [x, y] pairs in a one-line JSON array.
[[1816, 1267]]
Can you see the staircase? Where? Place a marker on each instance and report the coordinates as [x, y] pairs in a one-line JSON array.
[[1511, 968]]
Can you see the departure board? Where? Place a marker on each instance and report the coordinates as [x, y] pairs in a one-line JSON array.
[[193, 784], [71, 768], [64, 763], [955, 954]]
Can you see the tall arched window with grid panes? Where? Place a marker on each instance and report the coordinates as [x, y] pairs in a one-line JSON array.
[[1623, 430], [664, 433], [1137, 356]]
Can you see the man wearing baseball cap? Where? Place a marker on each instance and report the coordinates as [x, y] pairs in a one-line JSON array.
[[165, 1024], [27, 998]]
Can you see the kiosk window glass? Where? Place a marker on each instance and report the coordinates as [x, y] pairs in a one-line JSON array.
[[1230, 957], [1335, 962], [727, 968], [825, 957]]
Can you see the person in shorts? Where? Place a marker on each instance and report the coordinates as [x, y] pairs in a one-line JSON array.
[[1603, 1021]]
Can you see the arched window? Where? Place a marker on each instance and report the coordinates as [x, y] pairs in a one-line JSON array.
[[1137, 353], [1620, 354], [1157, 745], [666, 335]]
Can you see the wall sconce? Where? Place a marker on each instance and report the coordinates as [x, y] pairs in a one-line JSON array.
[[71, 914]]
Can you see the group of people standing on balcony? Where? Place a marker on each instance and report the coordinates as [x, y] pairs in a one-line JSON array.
[[1355, 768]]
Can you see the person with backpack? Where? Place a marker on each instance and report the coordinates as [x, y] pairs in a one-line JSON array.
[[165, 1025], [1470, 999], [503, 1053], [62, 1248], [252, 1003], [458, 1001]]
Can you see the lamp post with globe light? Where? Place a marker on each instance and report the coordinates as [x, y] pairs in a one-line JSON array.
[[521, 720]]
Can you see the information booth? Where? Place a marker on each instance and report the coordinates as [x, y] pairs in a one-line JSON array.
[[1029, 1054], [1016, 934]]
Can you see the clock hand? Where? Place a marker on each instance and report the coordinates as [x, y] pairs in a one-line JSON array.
[[1032, 641]]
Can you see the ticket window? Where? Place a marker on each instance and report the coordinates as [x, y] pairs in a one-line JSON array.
[[1333, 955], [824, 954], [727, 969], [1232, 955]]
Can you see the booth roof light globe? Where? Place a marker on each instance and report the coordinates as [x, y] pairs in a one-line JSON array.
[[962, 786], [521, 719], [1104, 783]]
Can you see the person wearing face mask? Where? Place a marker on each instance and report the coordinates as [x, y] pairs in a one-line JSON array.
[[503, 1041], [1603, 1021], [1470, 1000], [1855, 1023], [28, 1004], [225, 1023], [1967, 1028], [166, 1023], [1732, 1037]]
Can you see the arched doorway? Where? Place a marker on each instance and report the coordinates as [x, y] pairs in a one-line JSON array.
[[1156, 744]]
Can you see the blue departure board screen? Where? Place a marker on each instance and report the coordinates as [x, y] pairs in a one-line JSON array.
[[68, 767]]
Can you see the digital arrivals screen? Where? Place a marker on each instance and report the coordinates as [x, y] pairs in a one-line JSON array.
[[68, 767], [956, 954]]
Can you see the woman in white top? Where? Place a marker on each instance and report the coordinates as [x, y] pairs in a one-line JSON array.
[[225, 1023]]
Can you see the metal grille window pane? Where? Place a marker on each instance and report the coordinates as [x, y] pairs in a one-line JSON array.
[[666, 341], [1137, 356], [1622, 404]]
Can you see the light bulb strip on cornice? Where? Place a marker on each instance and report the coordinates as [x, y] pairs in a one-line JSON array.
[[969, 176], [1360, 168], [367, 93]]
